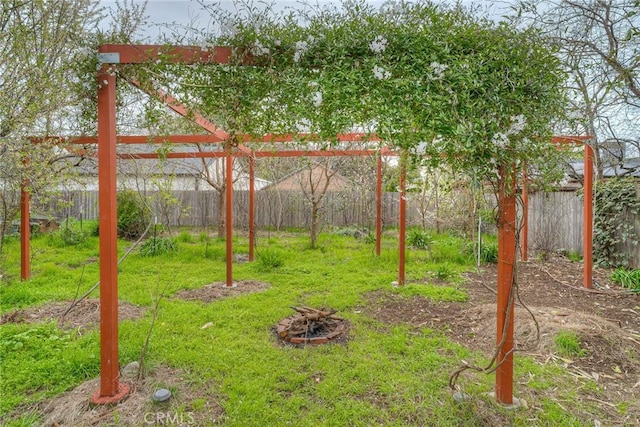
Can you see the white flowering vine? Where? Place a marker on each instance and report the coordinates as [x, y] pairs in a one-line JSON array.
[[518, 124], [437, 70], [380, 73], [301, 47], [316, 98], [500, 140], [378, 45], [260, 50]]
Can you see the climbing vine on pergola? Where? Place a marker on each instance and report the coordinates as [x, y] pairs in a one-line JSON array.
[[437, 85]]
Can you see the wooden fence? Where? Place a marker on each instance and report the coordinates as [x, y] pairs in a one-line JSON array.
[[274, 209], [556, 222], [555, 219]]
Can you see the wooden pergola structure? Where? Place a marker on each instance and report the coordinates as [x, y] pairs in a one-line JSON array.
[[111, 389]]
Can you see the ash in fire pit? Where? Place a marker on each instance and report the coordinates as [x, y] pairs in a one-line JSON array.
[[311, 326]]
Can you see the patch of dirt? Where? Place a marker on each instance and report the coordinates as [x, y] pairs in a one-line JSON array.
[[606, 319], [86, 314], [191, 404], [219, 290]]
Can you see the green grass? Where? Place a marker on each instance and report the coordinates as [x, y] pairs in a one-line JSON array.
[[392, 375], [568, 344]]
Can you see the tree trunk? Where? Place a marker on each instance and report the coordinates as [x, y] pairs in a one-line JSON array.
[[222, 213], [314, 223]]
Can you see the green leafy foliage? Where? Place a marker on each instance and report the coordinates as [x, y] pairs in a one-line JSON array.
[[489, 252], [419, 239], [69, 234], [614, 200], [133, 215], [627, 278], [185, 237], [438, 81], [269, 259], [156, 246]]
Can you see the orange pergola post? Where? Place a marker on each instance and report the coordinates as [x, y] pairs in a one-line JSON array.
[[229, 216], [525, 218], [402, 220], [506, 263], [25, 228], [379, 205], [252, 206], [111, 390], [587, 277]]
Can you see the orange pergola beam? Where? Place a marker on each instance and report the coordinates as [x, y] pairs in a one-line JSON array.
[[402, 231], [25, 228], [252, 207], [229, 216], [111, 390], [587, 277], [120, 54], [506, 263], [138, 54], [378, 204], [525, 218], [587, 242], [183, 110]]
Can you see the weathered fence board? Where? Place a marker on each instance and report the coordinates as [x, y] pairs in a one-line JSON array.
[[555, 219], [556, 223]]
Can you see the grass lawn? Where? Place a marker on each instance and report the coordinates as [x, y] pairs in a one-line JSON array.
[[384, 374]]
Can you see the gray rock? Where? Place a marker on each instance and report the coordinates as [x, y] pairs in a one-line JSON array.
[[131, 370], [161, 395]]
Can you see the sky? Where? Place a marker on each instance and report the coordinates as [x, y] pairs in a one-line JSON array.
[[184, 12]]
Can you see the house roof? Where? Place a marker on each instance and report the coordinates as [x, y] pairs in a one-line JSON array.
[[294, 180], [628, 167]]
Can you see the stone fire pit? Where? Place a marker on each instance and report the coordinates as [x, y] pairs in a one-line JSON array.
[[311, 326]]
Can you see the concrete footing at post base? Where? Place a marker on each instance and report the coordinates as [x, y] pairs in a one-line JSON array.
[[123, 391]]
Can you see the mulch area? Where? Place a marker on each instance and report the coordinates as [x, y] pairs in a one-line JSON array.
[[607, 320], [192, 403], [84, 315], [219, 290]]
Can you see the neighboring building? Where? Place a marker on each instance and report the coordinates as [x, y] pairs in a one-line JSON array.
[[152, 174], [626, 167], [318, 174]]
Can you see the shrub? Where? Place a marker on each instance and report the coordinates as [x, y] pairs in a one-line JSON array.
[[445, 272], [68, 235], [627, 278], [370, 238], [419, 239], [185, 237], [489, 253], [133, 215], [158, 246], [614, 200], [269, 259], [450, 249]]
